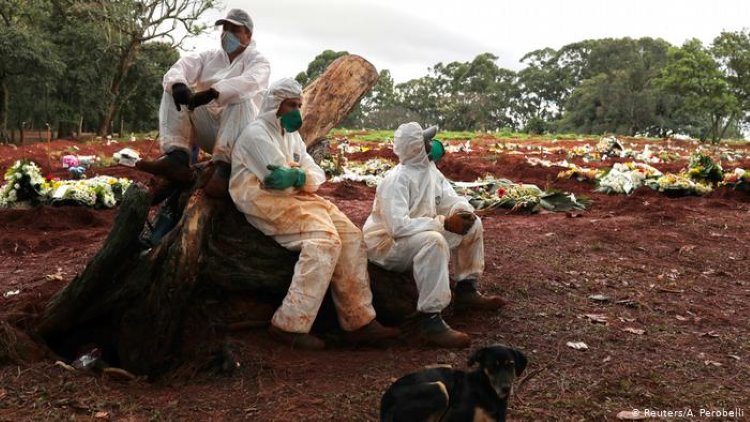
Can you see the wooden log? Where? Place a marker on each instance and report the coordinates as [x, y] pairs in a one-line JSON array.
[[331, 97]]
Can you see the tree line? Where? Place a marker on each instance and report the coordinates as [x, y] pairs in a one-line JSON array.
[[96, 66], [624, 86], [89, 65]]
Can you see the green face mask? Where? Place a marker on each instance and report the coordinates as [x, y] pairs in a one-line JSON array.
[[437, 150], [291, 121]]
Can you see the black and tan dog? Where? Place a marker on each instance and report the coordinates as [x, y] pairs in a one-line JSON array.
[[445, 394]]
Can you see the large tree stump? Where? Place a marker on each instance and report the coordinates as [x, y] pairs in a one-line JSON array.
[[330, 98], [138, 306], [133, 305]]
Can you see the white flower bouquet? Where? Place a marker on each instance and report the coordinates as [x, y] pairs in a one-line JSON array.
[[24, 185]]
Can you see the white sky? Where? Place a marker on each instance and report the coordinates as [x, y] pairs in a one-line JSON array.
[[408, 36]]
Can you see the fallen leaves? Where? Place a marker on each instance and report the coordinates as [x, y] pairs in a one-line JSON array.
[[578, 345], [636, 331], [596, 318], [57, 276]]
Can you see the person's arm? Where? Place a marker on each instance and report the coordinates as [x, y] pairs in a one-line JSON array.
[[251, 82], [255, 150], [451, 202], [314, 175], [394, 201], [186, 71]]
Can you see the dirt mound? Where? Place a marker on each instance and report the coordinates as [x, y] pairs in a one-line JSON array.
[[676, 268]]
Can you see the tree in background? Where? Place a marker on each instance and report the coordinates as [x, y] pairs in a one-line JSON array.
[[23, 47], [705, 104], [319, 64], [732, 51], [617, 93], [131, 23]]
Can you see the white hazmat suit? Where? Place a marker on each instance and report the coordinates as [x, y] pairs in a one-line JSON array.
[[215, 126], [405, 229], [331, 247]]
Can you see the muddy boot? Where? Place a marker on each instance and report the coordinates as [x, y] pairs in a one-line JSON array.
[[373, 334], [174, 165], [218, 184], [302, 341], [467, 297], [431, 329]]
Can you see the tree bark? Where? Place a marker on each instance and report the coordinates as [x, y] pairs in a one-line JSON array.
[[331, 97], [126, 61]]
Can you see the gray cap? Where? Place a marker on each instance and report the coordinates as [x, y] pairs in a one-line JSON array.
[[237, 17], [430, 132]]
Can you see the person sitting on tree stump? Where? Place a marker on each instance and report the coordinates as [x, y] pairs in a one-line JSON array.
[[416, 221], [273, 182], [209, 98]]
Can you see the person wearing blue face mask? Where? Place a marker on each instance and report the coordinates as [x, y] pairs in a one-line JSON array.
[[419, 223], [209, 98], [273, 183]]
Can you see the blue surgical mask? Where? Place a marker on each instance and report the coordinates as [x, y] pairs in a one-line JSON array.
[[229, 42]]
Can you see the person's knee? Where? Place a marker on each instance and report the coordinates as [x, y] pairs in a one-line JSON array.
[[435, 240]]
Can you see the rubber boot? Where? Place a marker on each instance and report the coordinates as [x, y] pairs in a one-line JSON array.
[[466, 297], [431, 329]]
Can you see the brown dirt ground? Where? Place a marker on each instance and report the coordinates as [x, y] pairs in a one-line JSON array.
[[677, 268]]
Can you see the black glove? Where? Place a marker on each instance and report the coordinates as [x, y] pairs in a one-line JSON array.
[[181, 94], [202, 98]]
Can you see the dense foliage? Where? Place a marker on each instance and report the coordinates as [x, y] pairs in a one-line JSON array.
[[96, 66]]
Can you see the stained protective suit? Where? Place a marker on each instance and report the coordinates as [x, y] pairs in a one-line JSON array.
[[405, 229], [332, 249], [215, 126]]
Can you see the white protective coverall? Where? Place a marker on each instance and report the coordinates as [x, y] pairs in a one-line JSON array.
[[405, 229], [332, 249], [215, 126]]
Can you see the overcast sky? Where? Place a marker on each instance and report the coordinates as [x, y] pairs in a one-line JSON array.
[[409, 36]]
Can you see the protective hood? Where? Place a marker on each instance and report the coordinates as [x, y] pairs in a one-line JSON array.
[[278, 92], [408, 144]]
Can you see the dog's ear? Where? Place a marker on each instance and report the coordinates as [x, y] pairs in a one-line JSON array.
[[520, 360], [476, 356]]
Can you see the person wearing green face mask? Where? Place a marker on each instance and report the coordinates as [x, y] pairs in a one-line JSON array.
[[419, 223], [208, 99], [273, 182]]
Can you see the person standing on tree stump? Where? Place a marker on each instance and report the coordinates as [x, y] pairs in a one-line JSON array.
[[209, 98], [417, 222], [273, 182]]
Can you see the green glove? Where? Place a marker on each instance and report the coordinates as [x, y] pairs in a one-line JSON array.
[[284, 177]]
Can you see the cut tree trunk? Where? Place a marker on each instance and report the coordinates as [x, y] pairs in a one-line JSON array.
[[330, 98], [139, 308]]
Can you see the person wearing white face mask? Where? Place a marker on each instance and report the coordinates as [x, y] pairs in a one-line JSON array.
[[209, 98], [273, 183], [417, 223]]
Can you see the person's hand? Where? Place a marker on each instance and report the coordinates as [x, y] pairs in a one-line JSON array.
[[284, 177], [181, 94], [202, 98], [460, 222]]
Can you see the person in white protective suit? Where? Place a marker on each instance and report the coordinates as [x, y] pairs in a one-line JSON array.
[[209, 98], [273, 182], [418, 222]]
